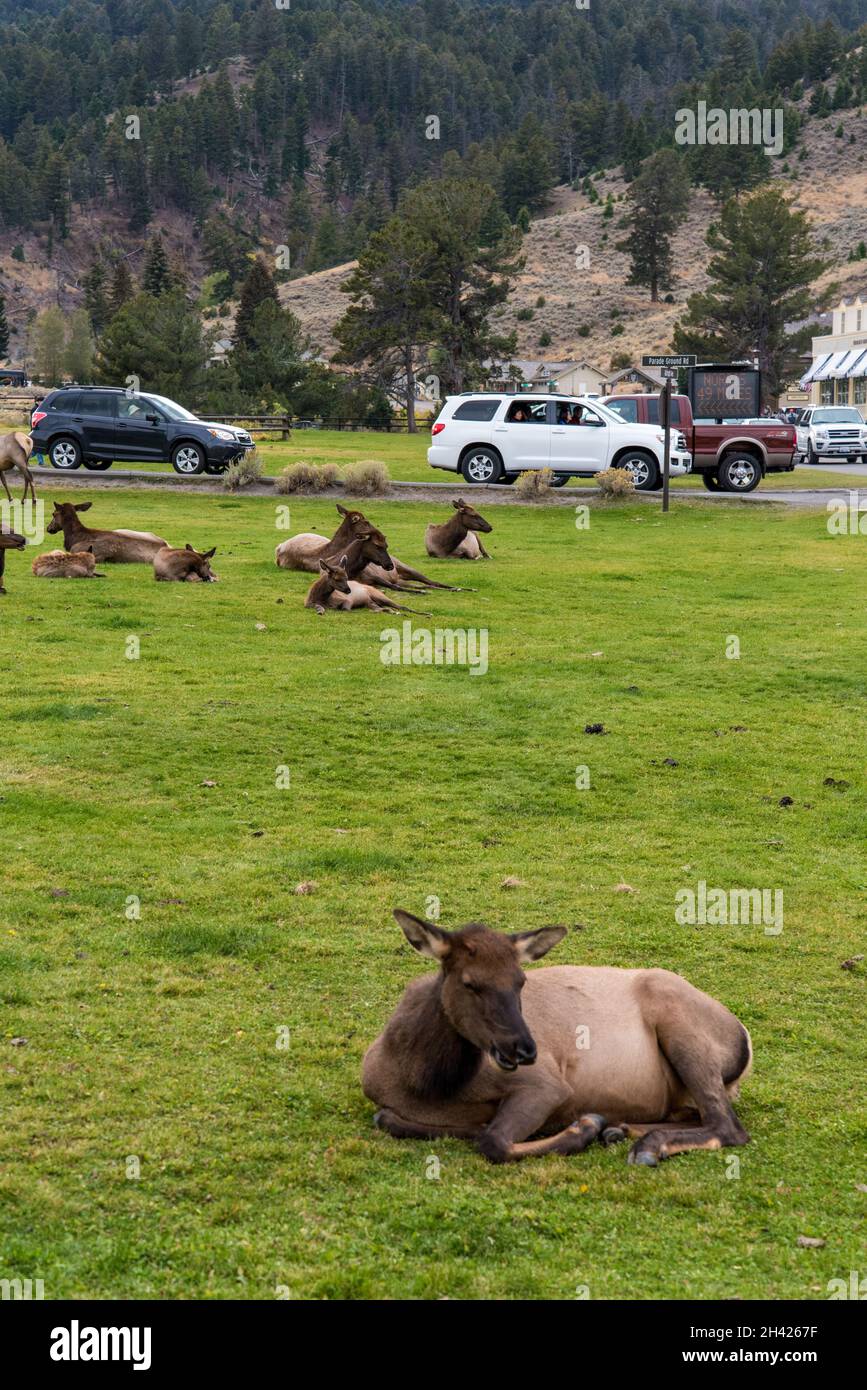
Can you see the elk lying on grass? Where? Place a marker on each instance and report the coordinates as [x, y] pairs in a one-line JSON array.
[[9, 540], [334, 589], [121, 547], [62, 564], [15, 451], [187, 565], [304, 551], [585, 1051], [457, 538]]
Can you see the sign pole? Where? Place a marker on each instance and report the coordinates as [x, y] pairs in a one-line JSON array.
[[665, 403]]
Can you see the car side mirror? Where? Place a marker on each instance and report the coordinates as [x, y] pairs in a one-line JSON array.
[[152, 419], [595, 422]]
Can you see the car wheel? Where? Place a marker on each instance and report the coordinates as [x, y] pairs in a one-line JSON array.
[[481, 466], [740, 473], [643, 467], [97, 465], [65, 453], [188, 459], [561, 479], [812, 456], [711, 482]]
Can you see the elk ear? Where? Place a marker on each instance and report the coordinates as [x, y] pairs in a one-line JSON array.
[[82, 506], [323, 565], [342, 510], [458, 502], [208, 553], [423, 936], [341, 563], [189, 547], [533, 945]]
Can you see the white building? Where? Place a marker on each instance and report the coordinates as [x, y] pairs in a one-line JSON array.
[[838, 372]]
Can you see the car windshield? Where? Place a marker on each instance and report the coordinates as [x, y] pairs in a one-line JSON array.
[[838, 416], [171, 408]]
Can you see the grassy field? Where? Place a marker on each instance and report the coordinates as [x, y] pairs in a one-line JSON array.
[[159, 1140]]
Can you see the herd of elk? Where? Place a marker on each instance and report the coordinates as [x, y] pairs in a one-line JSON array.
[[549, 1061]]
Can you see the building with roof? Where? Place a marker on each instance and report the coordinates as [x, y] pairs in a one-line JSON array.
[[837, 374]]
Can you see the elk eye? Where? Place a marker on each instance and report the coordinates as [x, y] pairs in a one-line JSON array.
[[473, 988]]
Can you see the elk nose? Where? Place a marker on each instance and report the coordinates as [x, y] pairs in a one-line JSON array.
[[525, 1053]]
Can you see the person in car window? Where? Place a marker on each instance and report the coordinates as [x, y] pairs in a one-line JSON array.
[[520, 415], [576, 418]]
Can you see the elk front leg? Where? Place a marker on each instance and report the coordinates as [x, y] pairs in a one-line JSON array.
[[406, 572], [524, 1112], [2, 570], [5, 484]]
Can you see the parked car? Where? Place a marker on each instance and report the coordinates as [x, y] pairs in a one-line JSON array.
[[731, 457], [100, 425], [491, 438], [832, 431]]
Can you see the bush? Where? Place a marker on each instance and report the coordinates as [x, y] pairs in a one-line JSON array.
[[307, 477], [535, 485], [243, 472], [367, 478], [617, 330], [544, 340], [524, 315], [616, 482]]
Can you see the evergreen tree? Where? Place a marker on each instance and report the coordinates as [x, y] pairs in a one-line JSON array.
[[762, 274], [270, 362], [258, 288], [122, 287], [160, 341], [157, 276], [659, 201], [96, 297]]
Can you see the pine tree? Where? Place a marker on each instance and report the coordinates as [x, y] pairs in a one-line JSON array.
[[659, 200], [160, 341], [157, 276], [49, 342], [96, 298], [122, 287], [258, 288], [761, 279], [78, 353], [4, 328]]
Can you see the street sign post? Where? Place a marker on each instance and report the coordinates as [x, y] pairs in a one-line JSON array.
[[668, 365]]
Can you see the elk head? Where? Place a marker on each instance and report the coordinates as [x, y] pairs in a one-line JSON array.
[[64, 515], [374, 549], [10, 540], [470, 518], [335, 571], [482, 981], [201, 563], [356, 521]]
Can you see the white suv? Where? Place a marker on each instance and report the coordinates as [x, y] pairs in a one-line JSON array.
[[831, 431], [491, 438]]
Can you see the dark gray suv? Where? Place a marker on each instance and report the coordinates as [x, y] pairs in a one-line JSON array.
[[100, 425]]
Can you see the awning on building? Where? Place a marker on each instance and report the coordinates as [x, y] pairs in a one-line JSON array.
[[816, 366], [858, 365]]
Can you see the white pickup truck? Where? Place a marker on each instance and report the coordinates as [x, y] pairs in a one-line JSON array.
[[831, 431]]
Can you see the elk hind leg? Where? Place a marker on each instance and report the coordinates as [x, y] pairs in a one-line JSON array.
[[718, 1126]]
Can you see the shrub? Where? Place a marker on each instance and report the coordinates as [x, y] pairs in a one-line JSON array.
[[523, 315], [540, 302], [584, 330], [367, 478], [616, 482], [535, 485], [308, 477], [18, 252], [617, 330], [544, 340], [243, 472]]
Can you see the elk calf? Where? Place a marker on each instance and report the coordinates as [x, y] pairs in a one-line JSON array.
[[120, 547], [187, 565], [62, 564], [457, 538], [334, 589], [9, 540], [481, 1051]]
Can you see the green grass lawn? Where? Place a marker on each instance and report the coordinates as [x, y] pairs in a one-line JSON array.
[[152, 1040]]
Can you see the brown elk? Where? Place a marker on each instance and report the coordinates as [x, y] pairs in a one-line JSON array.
[[120, 547], [457, 538], [9, 540], [61, 564], [304, 551], [334, 589], [186, 566], [15, 451], [583, 1052]]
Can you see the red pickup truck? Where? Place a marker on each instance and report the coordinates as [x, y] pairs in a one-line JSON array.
[[731, 457]]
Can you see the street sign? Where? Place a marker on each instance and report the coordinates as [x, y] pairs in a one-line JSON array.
[[668, 373], [682, 359]]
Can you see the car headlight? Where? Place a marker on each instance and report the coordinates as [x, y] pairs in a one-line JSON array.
[[222, 434]]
